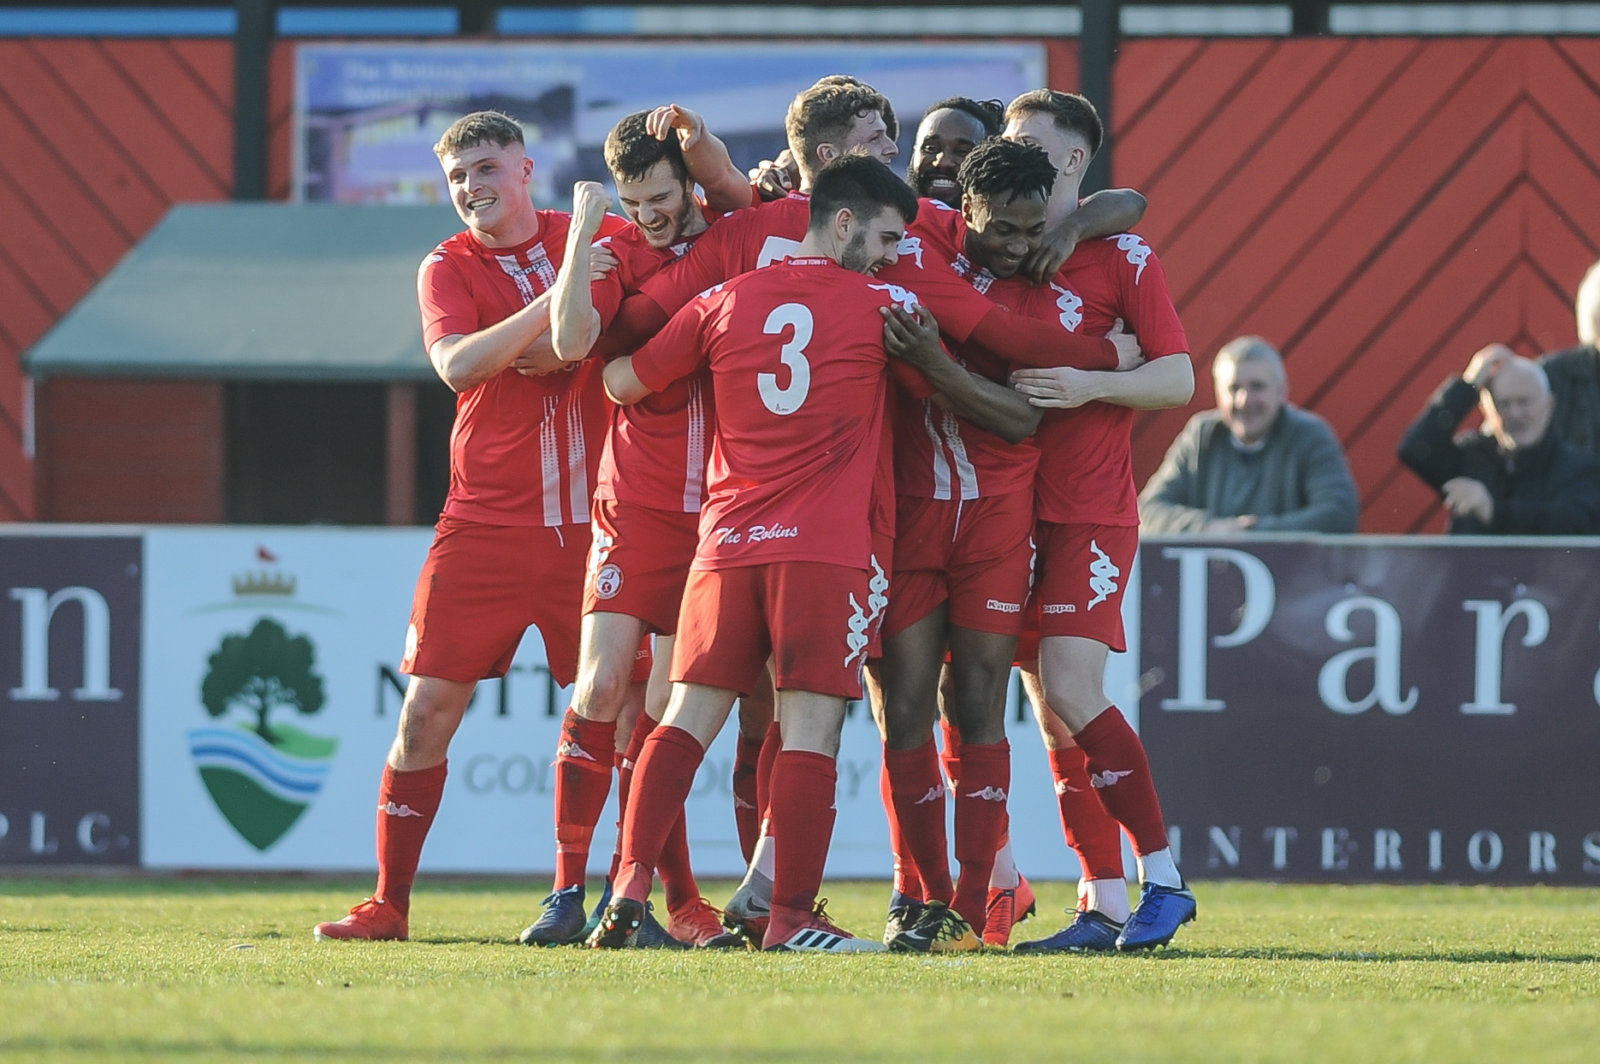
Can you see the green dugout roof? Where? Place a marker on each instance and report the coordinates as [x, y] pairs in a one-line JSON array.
[[261, 291]]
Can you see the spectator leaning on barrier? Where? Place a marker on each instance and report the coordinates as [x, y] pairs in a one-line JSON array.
[[1255, 463], [1514, 476], [1575, 373]]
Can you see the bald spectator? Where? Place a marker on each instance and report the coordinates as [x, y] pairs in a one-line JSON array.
[[1256, 463], [1513, 476], [1575, 373]]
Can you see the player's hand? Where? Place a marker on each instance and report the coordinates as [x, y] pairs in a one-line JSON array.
[[1052, 253], [688, 124], [539, 358], [913, 338], [1466, 497], [1062, 387], [1129, 353], [776, 178], [602, 260], [589, 204], [1486, 363]]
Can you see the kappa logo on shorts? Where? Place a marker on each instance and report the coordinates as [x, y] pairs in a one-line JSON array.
[[600, 550], [1102, 575], [863, 621], [608, 581], [1003, 607]]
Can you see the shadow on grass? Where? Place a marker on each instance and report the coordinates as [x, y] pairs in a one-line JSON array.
[[1445, 956]]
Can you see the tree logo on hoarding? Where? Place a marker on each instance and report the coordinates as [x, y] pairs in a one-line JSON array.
[[261, 771]]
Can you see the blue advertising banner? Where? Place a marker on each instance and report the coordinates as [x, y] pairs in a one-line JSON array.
[[1370, 709], [69, 699], [367, 115]]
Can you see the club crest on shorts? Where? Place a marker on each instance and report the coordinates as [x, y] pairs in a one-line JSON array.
[[608, 581]]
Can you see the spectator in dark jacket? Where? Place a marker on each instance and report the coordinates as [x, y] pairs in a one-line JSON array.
[[1513, 477], [1575, 373]]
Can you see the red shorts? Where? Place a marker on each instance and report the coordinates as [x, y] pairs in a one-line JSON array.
[[879, 566], [639, 561], [811, 618], [977, 554], [1083, 570], [482, 586]]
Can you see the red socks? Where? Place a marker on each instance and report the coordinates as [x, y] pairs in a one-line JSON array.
[[916, 791], [677, 875], [584, 758], [907, 880], [1120, 775], [950, 756], [803, 785], [664, 777], [746, 804], [770, 746], [981, 823], [407, 802], [1090, 831]]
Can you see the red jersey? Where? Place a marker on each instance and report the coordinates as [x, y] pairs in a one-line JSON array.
[[1086, 474], [749, 239], [523, 450], [798, 368], [938, 454], [655, 450]]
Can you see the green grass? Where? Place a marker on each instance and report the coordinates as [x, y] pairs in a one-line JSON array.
[[212, 969]]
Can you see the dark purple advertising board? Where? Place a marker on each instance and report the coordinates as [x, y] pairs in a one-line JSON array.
[[69, 699], [1375, 709]]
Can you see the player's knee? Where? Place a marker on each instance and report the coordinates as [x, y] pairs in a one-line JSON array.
[[602, 691]]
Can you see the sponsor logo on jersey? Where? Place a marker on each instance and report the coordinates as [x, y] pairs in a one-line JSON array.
[[1071, 306], [1137, 251], [1102, 575], [903, 296]]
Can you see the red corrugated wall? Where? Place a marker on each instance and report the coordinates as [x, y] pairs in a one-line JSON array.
[[101, 137], [1379, 208]]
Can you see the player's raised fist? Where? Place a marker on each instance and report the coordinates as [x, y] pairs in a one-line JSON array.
[[589, 204]]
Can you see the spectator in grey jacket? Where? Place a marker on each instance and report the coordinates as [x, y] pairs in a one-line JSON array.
[[1513, 477], [1256, 463], [1574, 374]]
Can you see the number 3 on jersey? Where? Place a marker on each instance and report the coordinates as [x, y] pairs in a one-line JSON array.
[[792, 354]]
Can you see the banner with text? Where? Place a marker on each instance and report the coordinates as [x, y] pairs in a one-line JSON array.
[[69, 699], [272, 693], [1365, 709]]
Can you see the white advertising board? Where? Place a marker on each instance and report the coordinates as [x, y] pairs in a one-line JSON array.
[[271, 695]]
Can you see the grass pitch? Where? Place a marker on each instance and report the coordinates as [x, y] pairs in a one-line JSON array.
[[206, 969]]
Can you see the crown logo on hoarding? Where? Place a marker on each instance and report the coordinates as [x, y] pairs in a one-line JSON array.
[[263, 583]]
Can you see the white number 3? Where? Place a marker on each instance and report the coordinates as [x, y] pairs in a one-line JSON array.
[[793, 355]]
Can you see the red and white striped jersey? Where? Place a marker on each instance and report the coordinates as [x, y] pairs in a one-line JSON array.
[[523, 450], [656, 450]]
